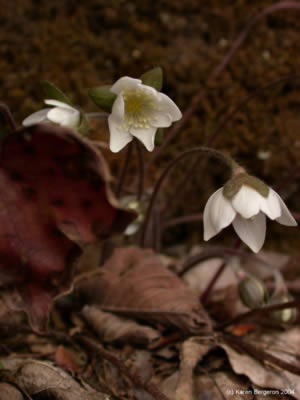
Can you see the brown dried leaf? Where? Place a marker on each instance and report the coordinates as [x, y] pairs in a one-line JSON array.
[[113, 328], [9, 392], [285, 346], [192, 352], [133, 282], [42, 377]]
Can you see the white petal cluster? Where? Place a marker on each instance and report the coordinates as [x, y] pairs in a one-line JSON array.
[[247, 211], [60, 114], [138, 111]]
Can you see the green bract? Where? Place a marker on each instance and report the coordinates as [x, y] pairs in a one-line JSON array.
[[53, 92], [103, 97], [83, 128], [153, 78]]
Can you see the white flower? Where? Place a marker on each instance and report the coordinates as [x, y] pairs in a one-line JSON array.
[[61, 114], [138, 111], [246, 210]]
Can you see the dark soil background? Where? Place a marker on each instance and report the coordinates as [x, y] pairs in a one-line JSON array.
[[78, 45]]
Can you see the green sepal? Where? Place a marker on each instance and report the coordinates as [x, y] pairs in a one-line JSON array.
[[54, 93], [1, 365], [103, 97], [232, 187], [159, 136], [83, 128], [153, 78]]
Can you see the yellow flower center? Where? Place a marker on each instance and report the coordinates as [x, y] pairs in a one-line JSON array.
[[139, 108]]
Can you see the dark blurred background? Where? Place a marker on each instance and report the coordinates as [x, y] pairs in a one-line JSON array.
[[78, 45]]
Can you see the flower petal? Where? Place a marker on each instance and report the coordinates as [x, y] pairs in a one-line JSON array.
[[251, 231], [125, 83], [218, 214], [161, 120], [247, 202], [145, 135], [37, 117], [168, 106], [59, 104], [119, 138], [118, 109], [286, 217], [271, 205], [64, 117]]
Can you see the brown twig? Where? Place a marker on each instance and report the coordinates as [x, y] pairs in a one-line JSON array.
[[217, 71], [134, 377]]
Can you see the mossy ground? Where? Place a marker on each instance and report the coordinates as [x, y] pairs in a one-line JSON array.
[[78, 45]]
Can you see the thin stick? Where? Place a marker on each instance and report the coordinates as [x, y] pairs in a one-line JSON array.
[[124, 170], [217, 71], [133, 376], [141, 170], [5, 111], [259, 311]]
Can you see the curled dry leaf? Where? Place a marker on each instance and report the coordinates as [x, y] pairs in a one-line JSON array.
[[192, 352], [114, 328], [134, 283], [285, 346], [54, 192], [10, 392], [37, 377]]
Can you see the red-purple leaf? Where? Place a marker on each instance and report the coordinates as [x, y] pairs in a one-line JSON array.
[[54, 192]]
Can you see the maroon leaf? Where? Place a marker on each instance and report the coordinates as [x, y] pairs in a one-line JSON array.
[[54, 191], [133, 282]]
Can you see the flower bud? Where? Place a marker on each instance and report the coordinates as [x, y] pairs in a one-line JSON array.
[[287, 315], [253, 293]]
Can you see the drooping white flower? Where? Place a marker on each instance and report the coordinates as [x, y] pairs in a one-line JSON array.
[[138, 111], [62, 114], [245, 206]]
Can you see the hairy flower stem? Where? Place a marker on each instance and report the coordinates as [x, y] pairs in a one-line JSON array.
[[227, 160], [216, 276], [217, 71], [185, 183], [141, 170], [259, 311], [5, 111], [124, 170]]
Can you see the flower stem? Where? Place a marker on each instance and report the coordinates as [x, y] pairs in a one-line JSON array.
[[216, 276], [96, 115], [260, 311], [124, 170], [204, 150], [5, 111], [184, 182], [141, 170]]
